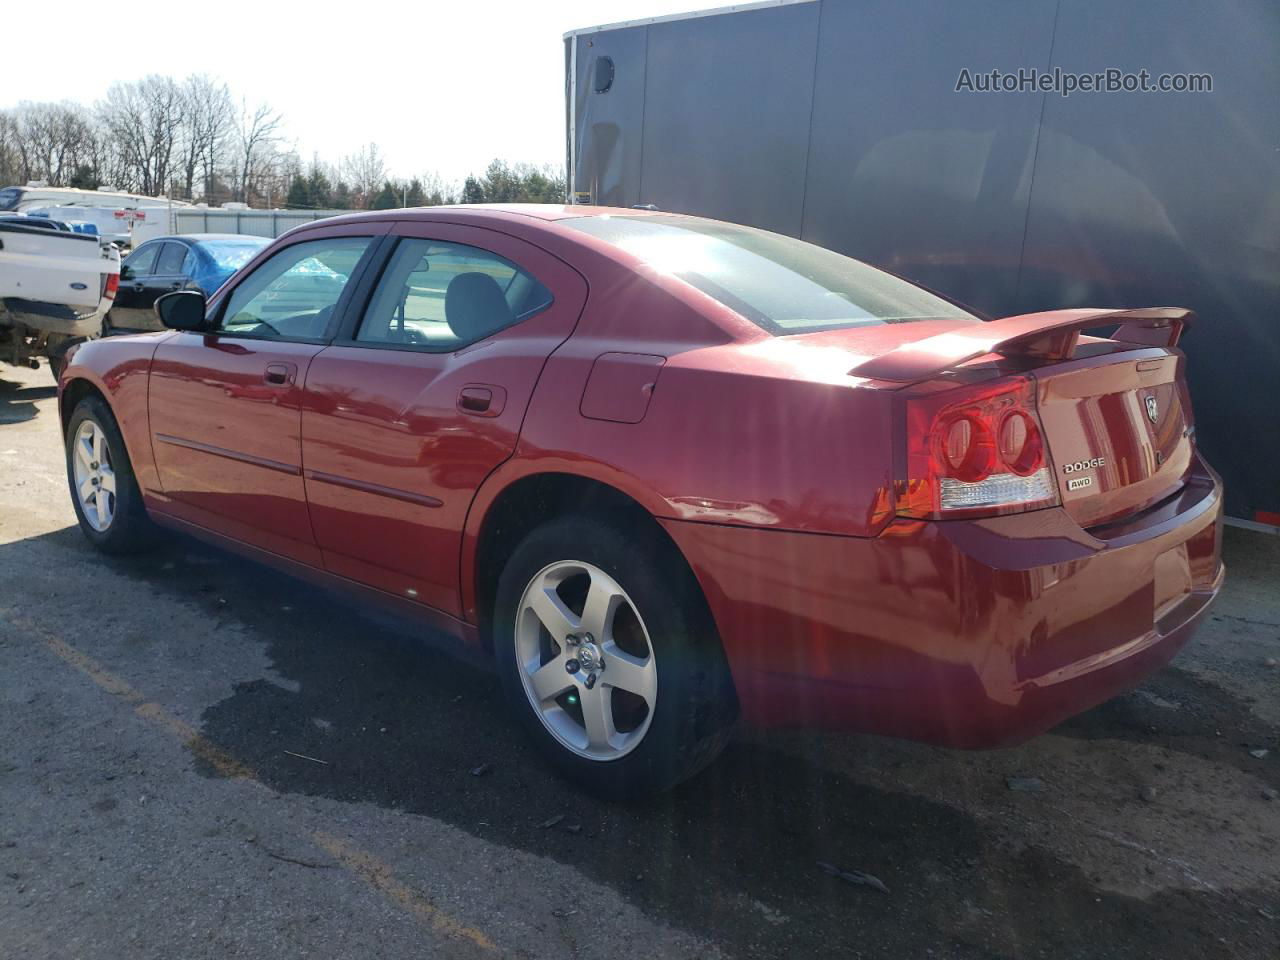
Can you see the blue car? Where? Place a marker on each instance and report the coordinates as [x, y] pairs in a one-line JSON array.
[[196, 261]]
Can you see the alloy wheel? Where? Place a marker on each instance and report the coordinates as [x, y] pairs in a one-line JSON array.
[[95, 479], [586, 662]]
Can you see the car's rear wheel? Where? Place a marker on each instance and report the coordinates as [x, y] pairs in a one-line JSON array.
[[104, 491], [609, 655]]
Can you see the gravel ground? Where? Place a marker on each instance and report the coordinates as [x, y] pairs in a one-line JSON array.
[[202, 758]]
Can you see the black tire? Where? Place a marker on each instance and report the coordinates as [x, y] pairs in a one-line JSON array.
[[130, 529], [58, 355], [695, 706]]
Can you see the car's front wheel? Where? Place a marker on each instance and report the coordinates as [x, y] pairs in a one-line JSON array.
[[104, 492], [610, 657]]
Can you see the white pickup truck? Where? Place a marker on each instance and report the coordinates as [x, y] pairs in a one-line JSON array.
[[55, 289]]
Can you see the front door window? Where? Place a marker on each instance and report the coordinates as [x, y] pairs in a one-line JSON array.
[[294, 294]]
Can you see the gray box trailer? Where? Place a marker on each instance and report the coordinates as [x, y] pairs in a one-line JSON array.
[[840, 121]]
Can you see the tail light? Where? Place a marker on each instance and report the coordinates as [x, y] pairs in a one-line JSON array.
[[110, 284], [975, 452]]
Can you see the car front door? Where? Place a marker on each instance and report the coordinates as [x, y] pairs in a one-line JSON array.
[[422, 396], [225, 405], [133, 306]]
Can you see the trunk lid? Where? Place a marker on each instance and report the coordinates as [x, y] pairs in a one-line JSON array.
[[1119, 433], [1115, 412]]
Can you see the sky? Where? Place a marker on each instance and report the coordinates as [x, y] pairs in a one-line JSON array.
[[440, 87]]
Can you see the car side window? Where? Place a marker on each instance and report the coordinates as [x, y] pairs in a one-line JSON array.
[[189, 264], [292, 295], [142, 262], [171, 257], [442, 296]]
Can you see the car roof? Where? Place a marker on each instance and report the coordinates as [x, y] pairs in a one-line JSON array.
[[216, 238], [478, 211]]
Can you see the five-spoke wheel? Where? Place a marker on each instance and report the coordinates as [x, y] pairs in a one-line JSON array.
[[609, 655], [95, 481], [588, 667], [104, 491]]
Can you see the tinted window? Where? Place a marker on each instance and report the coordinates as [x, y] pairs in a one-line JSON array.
[[9, 198], [142, 262], [293, 294], [781, 284], [440, 296], [171, 259]]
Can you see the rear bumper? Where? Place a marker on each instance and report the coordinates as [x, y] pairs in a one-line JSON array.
[[963, 633], [69, 320]]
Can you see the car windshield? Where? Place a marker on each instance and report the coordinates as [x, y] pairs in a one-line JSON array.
[[233, 254], [783, 285], [9, 198]]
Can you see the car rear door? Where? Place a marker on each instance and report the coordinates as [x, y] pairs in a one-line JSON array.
[[225, 405], [422, 396]]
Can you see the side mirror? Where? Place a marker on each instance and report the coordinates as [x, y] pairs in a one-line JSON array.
[[182, 310], [126, 272]]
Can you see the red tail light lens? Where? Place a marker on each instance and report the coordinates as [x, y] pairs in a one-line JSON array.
[[111, 285], [975, 452]]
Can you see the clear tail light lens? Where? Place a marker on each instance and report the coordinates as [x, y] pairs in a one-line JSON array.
[[975, 452]]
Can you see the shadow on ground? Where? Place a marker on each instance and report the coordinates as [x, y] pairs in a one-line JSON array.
[[730, 856], [18, 403]]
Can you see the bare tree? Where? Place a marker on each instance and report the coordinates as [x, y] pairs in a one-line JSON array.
[[144, 120], [437, 190], [258, 131], [11, 170], [207, 118], [47, 141], [366, 171]]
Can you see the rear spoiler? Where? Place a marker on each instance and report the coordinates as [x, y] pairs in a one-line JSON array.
[[1051, 335]]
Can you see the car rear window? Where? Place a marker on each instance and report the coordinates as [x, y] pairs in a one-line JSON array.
[[9, 198], [784, 285]]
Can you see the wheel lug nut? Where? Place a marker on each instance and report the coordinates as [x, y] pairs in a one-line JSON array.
[[590, 681], [572, 666]]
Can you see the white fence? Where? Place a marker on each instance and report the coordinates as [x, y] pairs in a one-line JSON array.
[[256, 223]]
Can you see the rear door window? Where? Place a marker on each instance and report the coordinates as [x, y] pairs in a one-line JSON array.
[[442, 296]]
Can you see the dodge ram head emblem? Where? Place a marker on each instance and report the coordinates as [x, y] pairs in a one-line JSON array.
[[1153, 409]]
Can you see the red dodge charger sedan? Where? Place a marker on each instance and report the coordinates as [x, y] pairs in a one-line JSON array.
[[670, 471]]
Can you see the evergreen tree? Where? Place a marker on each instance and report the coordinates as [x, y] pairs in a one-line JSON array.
[[83, 178], [386, 198], [472, 192], [415, 196], [299, 197], [341, 198], [319, 188]]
